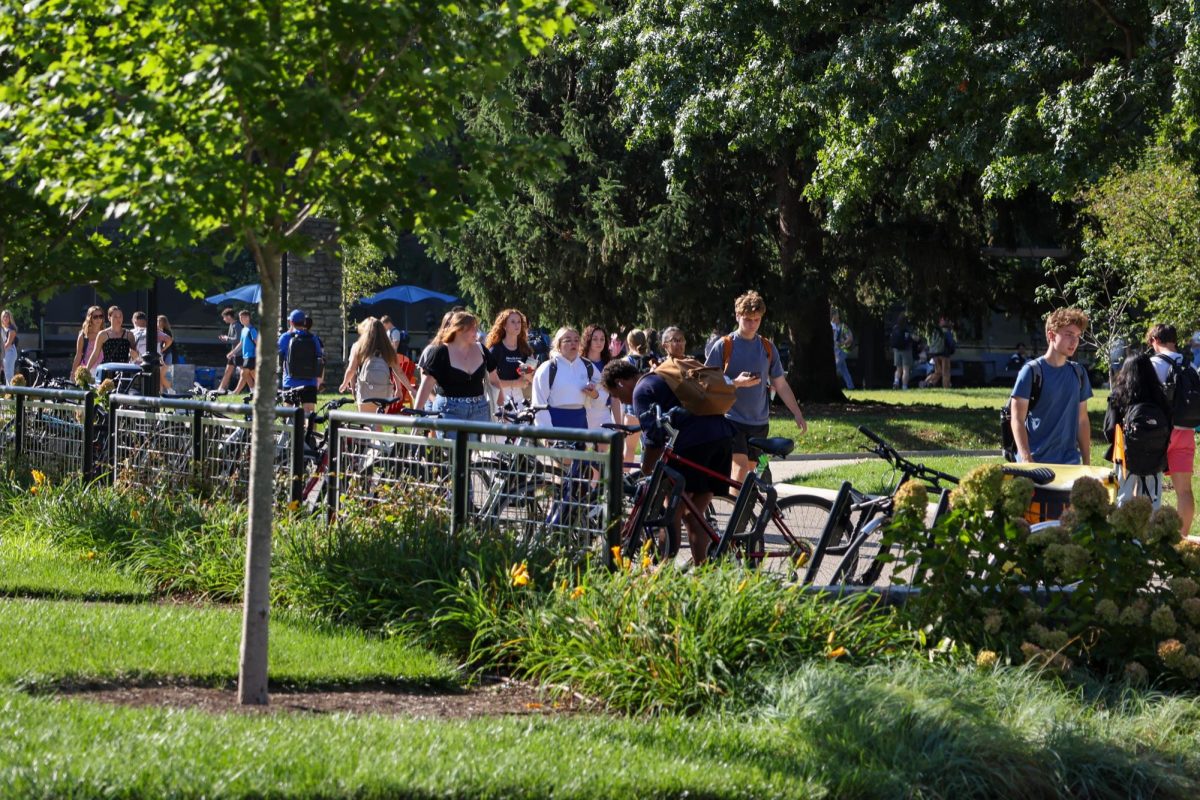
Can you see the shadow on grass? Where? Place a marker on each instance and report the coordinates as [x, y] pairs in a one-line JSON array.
[[384, 684], [66, 593]]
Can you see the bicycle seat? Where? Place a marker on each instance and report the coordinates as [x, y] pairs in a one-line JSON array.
[[774, 445], [1039, 475]]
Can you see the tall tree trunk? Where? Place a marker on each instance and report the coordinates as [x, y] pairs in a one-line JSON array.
[[812, 373], [252, 664]]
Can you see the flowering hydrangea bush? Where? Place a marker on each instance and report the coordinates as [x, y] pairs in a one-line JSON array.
[[1109, 589]]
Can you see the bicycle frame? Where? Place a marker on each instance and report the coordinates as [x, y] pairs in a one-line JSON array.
[[748, 492]]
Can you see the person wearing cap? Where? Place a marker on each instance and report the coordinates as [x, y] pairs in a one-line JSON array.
[[298, 330]]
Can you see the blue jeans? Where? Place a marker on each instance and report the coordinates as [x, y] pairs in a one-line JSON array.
[[843, 371], [465, 408]]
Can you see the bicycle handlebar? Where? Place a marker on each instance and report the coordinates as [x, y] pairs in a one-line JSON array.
[[892, 456]]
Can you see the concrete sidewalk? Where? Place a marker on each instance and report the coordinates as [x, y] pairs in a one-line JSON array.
[[785, 470]]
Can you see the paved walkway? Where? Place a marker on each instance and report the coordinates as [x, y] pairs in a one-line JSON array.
[[785, 470]]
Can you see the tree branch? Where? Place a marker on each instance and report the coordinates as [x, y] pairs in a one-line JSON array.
[[1125, 29]]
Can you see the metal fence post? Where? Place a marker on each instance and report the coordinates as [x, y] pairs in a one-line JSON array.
[[459, 483], [89, 425], [331, 476], [616, 495], [113, 407], [298, 429], [198, 446], [19, 442]]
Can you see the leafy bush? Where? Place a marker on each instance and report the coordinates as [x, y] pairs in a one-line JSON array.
[[642, 640], [382, 569], [1110, 588]]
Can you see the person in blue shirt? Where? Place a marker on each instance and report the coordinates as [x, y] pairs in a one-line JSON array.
[[752, 364], [248, 339], [303, 359], [1056, 430]]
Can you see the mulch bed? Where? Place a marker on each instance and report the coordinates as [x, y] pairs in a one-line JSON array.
[[501, 698]]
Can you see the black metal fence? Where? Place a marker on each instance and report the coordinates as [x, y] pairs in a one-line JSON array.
[[49, 430], [539, 482], [545, 485], [176, 443]]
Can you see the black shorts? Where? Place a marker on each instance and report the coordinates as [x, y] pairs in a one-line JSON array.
[[307, 394], [744, 432], [234, 360], [717, 456], [248, 362]]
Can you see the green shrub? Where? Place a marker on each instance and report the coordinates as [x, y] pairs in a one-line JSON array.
[[378, 568], [1112, 589], [382, 570], [650, 641]]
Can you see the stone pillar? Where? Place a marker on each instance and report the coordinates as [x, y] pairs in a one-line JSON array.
[[314, 284]]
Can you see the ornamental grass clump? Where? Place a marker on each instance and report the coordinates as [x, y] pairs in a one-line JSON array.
[[655, 639], [1110, 589]]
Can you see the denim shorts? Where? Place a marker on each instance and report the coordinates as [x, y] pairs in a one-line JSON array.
[[475, 409]]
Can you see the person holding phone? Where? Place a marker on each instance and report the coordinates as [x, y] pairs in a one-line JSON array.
[[566, 384], [508, 342], [751, 363]]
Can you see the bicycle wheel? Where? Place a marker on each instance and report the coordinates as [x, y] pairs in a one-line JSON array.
[[650, 522], [804, 517]]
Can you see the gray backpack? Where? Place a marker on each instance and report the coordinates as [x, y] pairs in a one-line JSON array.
[[375, 371]]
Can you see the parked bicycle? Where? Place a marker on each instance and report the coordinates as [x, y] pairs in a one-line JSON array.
[[760, 529], [851, 547], [547, 491]]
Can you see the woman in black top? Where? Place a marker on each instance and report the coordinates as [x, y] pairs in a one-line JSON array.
[[458, 365], [114, 344], [508, 342]]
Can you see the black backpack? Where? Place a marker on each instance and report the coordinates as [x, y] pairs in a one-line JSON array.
[[1183, 394], [1008, 442], [1147, 434], [553, 369], [302, 360], [900, 338]]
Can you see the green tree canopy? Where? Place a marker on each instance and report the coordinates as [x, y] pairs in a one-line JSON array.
[[188, 119]]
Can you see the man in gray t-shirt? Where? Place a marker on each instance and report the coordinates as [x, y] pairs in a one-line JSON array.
[[752, 365]]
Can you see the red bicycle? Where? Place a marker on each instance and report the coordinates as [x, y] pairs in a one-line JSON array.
[[756, 527]]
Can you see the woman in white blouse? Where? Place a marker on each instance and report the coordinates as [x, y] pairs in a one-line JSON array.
[[566, 383]]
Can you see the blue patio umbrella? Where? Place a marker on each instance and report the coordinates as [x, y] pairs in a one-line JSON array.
[[250, 293], [407, 295]]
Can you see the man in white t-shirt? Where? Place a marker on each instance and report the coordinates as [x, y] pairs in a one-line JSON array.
[[392, 331], [1181, 453]]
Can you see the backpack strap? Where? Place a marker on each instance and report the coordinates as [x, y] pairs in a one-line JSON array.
[[553, 370], [727, 351], [1035, 391]]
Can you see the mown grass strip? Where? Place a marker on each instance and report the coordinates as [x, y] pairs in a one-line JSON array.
[[48, 643], [928, 419], [33, 565], [897, 731]]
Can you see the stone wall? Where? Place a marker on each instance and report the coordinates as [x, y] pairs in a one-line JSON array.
[[314, 284]]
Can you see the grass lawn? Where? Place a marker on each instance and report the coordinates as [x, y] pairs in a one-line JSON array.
[[900, 730], [917, 419], [51, 642], [33, 565]]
